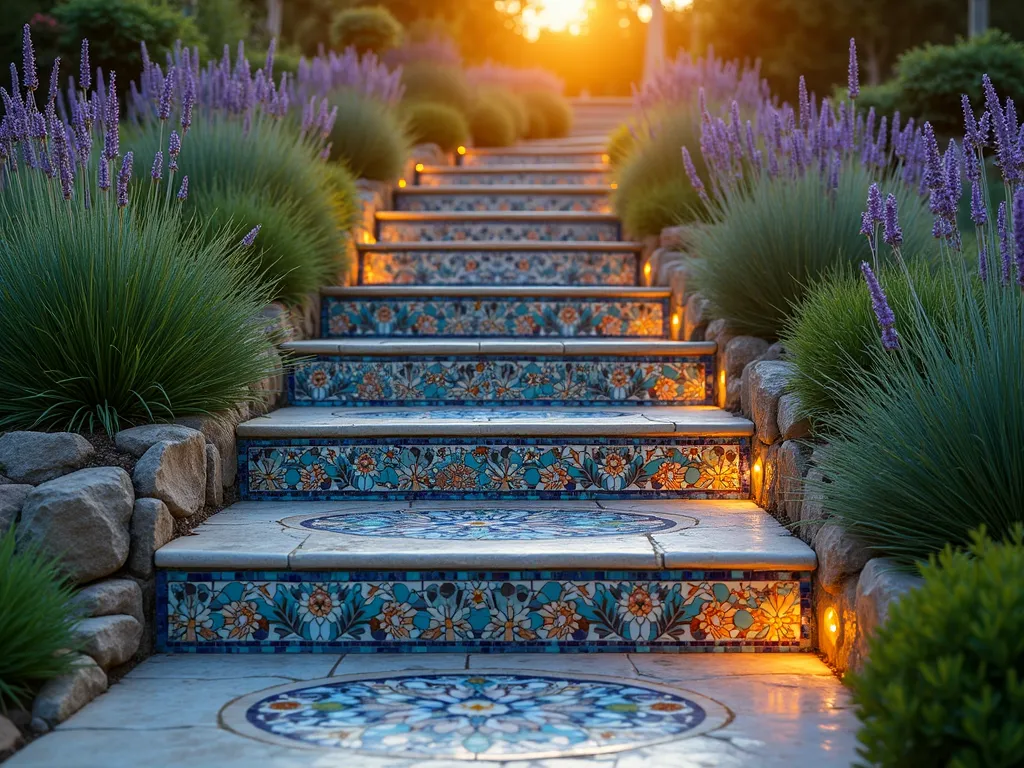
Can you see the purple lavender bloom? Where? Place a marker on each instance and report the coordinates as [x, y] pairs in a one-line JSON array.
[[183, 190], [982, 264], [123, 178], [188, 100], [84, 75], [1018, 235], [891, 232], [268, 67], [852, 75], [1004, 243], [805, 105], [695, 180], [867, 227], [874, 209], [883, 312], [103, 181], [979, 214], [28, 59], [51, 97], [157, 171], [111, 139], [973, 137], [250, 238], [164, 109], [325, 153]]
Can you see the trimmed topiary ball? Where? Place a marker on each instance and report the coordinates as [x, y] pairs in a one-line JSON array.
[[944, 682], [550, 115], [491, 125], [431, 123], [368, 137], [511, 103], [365, 29], [441, 84]]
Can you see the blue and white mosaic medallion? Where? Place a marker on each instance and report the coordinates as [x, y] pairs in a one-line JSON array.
[[490, 524], [489, 716]]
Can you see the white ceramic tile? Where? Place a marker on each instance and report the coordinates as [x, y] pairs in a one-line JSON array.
[[254, 546], [228, 666]]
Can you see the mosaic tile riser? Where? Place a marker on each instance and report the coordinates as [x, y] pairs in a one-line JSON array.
[[583, 178], [514, 468], [552, 611], [347, 381], [503, 202], [518, 158], [449, 231], [449, 316]]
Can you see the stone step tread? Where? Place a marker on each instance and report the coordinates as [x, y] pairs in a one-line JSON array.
[[581, 216], [503, 189], [555, 151], [483, 291], [502, 246], [516, 168], [677, 421], [498, 346], [489, 536]]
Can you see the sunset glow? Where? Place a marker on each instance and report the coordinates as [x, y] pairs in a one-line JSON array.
[[571, 16]]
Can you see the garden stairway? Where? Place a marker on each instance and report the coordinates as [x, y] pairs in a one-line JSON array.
[[498, 445]]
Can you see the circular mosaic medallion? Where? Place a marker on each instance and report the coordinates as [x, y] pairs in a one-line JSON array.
[[470, 716], [490, 524]]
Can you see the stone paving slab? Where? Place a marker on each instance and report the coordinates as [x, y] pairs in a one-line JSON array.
[[771, 711], [510, 346]]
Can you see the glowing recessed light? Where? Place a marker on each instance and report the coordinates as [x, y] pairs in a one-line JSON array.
[[832, 623], [419, 167], [606, 158], [461, 150], [647, 269], [401, 183], [614, 185]]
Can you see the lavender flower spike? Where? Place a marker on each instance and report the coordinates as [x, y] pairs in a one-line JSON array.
[[250, 238], [1004, 244], [875, 203], [164, 109], [853, 76], [979, 214], [123, 178], [183, 190], [84, 75], [158, 166], [695, 180], [891, 233], [982, 264], [1018, 235], [111, 140], [103, 180], [28, 60], [883, 312]]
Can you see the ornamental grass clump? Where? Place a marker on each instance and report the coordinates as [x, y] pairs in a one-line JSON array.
[[37, 619], [116, 309], [942, 682], [549, 113], [427, 122], [491, 124], [368, 138]]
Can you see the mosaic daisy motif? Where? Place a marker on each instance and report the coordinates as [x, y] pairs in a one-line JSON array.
[[469, 716], [456, 231], [540, 201], [487, 524], [547, 178]]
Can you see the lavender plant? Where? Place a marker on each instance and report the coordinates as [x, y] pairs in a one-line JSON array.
[[116, 310]]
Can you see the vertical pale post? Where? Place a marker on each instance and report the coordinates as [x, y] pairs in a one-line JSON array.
[[977, 17], [274, 12], [654, 51]]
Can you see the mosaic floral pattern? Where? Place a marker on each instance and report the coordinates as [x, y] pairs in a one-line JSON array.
[[471, 715], [521, 610], [473, 160], [339, 381], [487, 524], [498, 268], [474, 201], [523, 468], [495, 316], [480, 231], [582, 177]]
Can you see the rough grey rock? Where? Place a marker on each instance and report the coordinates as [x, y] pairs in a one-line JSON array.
[[840, 556], [12, 497], [10, 737], [109, 640], [214, 485], [678, 277], [152, 527], [674, 238], [718, 332], [767, 380], [219, 430], [740, 352], [775, 352], [175, 473], [838, 646], [81, 520], [812, 507], [881, 583], [138, 440], [791, 465], [695, 320], [59, 699], [35, 457], [733, 393], [110, 597], [791, 425]]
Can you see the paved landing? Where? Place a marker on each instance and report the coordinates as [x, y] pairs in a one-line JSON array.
[[444, 710]]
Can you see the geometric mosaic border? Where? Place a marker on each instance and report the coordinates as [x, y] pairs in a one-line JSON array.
[[582, 177], [496, 229], [484, 612], [535, 200]]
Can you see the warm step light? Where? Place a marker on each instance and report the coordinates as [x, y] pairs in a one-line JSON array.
[[605, 159], [647, 272], [401, 183], [614, 185], [419, 167], [832, 624], [461, 150], [757, 467]]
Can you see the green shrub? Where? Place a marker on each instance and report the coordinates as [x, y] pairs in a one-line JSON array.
[[370, 28], [769, 243], [238, 177], [490, 124], [119, 317], [621, 145], [368, 137], [223, 22], [932, 78], [653, 191], [942, 683], [832, 336], [116, 27], [440, 84], [931, 444], [550, 114], [511, 103], [886, 98], [428, 122], [36, 623]]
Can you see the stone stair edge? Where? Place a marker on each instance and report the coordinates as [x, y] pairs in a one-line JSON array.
[[569, 246], [503, 346], [524, 291], [385, 216]]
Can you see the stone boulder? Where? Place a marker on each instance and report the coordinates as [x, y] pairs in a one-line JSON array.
[[740, 352], [766, 382], [219, 430], [214, 486], [59, 699], [840, 556], [110, 597], [138, 440], [881, 583], [791, 424], [35, 457], [152, 527], [175, 473], [695, 318], [10, 738], [81, 520], [109, 640], [12, 497]]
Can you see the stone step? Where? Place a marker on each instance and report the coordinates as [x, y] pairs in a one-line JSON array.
[[493, 197], [500, 263], [446, 175], [476, 157], [506, 372], [522, 311], [442, 226], [568, 576], [494, 453]]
